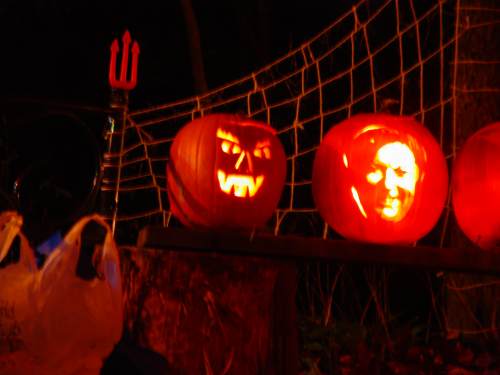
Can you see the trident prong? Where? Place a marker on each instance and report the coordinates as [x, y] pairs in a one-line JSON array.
[[122, 83]]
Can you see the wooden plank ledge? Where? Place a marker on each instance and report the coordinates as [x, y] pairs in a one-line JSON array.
[[472, 260]]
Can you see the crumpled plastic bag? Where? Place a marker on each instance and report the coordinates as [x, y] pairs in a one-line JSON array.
[[17, 305], [79, 320]]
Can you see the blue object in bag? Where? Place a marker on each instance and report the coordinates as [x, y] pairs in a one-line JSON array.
[[45, 248]]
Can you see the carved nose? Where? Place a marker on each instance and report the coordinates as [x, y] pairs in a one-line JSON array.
[[391, 182], [244, 157]]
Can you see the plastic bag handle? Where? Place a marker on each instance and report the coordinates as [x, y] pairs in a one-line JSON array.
[[103, 252], [10, 227], [73, 241]]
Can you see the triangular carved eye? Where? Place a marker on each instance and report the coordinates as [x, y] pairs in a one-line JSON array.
[[262, 150], [230, 143], [267, 152], [226, 145], [236, 149], [230, 147]]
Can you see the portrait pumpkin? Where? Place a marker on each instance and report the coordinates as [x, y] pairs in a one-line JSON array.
[[380, 178]]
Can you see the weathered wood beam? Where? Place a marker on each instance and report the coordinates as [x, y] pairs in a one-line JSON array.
[[294, 248]]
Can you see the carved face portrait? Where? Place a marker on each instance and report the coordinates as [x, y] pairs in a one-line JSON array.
[[380, 178], [388, 176]]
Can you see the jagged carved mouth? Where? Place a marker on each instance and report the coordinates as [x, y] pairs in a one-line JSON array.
[[239, 185]]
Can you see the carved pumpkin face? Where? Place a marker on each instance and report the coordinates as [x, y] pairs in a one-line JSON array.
[[395, 171], [225, 171], [373, 175], [386, 182], [239, 179], [476, 187]]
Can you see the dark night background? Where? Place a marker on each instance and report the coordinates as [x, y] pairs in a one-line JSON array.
[[55, 58], [60, 50]]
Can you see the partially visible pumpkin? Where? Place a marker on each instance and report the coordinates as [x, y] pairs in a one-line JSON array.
[[225, 171], [476, 187], [380, 178]]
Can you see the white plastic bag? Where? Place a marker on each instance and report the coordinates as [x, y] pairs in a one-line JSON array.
[[79, 321], [17, 306]]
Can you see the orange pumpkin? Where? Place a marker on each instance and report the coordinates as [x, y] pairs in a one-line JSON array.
[[380, 178], [476, 187], [225, 171]]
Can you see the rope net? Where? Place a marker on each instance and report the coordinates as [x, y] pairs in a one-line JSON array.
[[395, 56]]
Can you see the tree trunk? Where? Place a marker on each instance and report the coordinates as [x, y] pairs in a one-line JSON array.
[[193, 34], [211, 313]]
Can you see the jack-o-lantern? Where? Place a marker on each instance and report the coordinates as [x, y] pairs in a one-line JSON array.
[[380, 178], [476, 187], [225, 171]]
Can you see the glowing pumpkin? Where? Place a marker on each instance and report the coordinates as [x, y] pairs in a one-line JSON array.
[[476, 187], [380, 178], [225, 171]]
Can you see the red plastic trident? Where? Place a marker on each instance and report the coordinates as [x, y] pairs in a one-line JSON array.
[[123, 83]]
